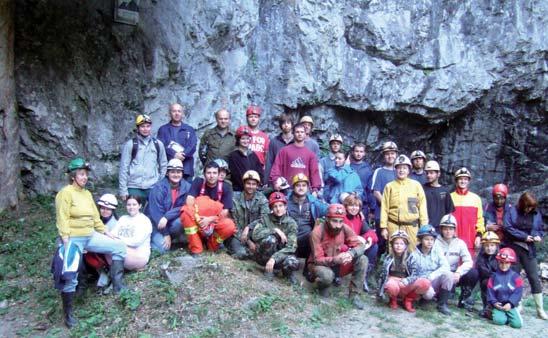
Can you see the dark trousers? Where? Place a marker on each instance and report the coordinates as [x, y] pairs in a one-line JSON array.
[[469, 279], [303, 246], [530, 266]]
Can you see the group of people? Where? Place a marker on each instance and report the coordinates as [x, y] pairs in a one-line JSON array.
[[276, 200]]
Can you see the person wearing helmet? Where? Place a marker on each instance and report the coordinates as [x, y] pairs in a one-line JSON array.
[[438, 197], [259, 141], [341, 180], [355, 219], [285, 137], [523, 228], [107, 210], [224, 171], [275, 235], [243, 159], [504, 290], [143, 161], [309, 142], [399, 274], [432, 265], [249, 207], [80, 228], [418, 159], [328, 162], [403, 204], [468, 211], [294, 159], [165, 201], [363, 169], [179, 139], [465, 275], [494, 212], [218, 141], [381, 177], [326, 239], [304, 208], [486, 264]]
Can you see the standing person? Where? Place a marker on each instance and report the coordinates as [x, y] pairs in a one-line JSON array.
[[326, 240], [494, 212], [459, 259], [309, 142], [295, 159], [381, 177], [165, 201], [243, 159], [363, 169], [179, 140], [438, 198], [285, 137], [486, 264], [504, 290], [107, 210], [328, 162], [249, 207], [399, 276], [276, 238], [523, 227], [134, 230], [218, 141], [259, 141], [432, 264], [403, 205], [418, 159], [79, 225], [340, 181], [143, 162], [468, 211]]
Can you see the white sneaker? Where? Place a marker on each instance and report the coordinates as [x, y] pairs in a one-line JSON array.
[[104, 279]]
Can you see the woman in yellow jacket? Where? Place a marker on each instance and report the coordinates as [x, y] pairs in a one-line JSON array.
[[403, 205], [80, 225]]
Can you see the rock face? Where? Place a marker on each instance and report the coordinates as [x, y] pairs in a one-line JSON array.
[[464, 81]]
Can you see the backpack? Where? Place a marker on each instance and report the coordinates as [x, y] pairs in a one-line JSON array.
[[136, 147]]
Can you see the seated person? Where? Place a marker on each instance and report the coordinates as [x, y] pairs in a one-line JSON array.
[[275, 235], [107, 210], [399, 274], [486, 263], [341, 179]]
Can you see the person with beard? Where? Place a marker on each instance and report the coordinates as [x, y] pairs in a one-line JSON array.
[[326, 240], [259, 142], [243, 159], [494, 212], [279, 141], [418, 158], [363, 169], [438, 197]]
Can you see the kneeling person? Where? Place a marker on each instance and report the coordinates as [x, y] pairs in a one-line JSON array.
[[276, 238]]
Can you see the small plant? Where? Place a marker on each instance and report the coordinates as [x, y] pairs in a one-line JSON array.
[[130, 299]]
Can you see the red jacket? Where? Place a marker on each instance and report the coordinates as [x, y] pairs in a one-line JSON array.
[[356, 224], [326, 246]]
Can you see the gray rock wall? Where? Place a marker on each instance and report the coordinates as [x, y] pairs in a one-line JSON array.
[[465, 81]]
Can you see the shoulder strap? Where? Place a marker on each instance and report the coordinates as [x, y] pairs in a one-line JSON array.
[[157, 146], [202, 189], [134, 148], [219, 190]]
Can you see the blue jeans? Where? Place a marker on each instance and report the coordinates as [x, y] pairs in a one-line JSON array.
[[174, 229], [98, 243]]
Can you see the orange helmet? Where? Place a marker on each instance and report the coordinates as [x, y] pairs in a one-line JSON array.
[[506, 255], [336, 211], [253, 110], [243, 130]]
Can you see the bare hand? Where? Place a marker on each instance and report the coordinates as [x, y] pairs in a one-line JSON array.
[[362, 240], [180, 156], [498, 305], [493, 226], [477, 243], [529, 239], [347, 257], [269, 267], [167, 242], [507, 307], [537, 239], [245, 233], [456, 277], [315, 193], [205, 221], [162, 223], [252, 247], [283, 237], [368, 243], [384, 233], [123, 197]]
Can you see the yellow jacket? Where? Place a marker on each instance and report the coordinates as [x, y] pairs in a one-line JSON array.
[[403, 203], [76, 213]]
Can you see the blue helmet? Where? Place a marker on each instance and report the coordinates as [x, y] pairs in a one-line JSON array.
[[426, 230]]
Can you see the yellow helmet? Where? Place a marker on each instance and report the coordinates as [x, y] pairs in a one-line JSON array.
[[142, 118], [300, 177], [490, 237]]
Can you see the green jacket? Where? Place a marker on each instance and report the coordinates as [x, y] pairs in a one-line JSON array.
[[213, 145], [244, 216], [265, 227]]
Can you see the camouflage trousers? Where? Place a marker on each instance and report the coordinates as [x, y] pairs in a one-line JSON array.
[[269, 246]]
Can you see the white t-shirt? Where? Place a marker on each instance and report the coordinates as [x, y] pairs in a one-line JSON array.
[[135, 232]]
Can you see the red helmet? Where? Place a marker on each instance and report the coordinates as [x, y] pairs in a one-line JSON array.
[[336, 211], [500, 189], [276, 197], [243, 130], [506, 255], [253, 110]]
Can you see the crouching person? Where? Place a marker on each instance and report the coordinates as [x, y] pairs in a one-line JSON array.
[[399, 276], [504, 290], [486, 264], [326, 239], [276, 238], [433, 265], [80, 228]]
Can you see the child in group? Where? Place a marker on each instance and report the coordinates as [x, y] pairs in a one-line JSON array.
[[107, 210], [486, 264], [504, 290], [134, 230]]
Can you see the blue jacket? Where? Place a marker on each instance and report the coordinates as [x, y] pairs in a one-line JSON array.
[[490, 212], [339, 180], [518, 226], [186, 137], [74, 265], [160, 203], [504, 287]]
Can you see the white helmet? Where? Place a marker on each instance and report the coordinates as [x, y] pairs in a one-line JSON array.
[[402, 159], [432, 166], [108, 201], [418, 154], [389, 146], [336, 137], [463, 172], [175, 164], [448, 221]]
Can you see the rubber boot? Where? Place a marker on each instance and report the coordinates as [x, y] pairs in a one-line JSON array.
[[357, 302], [393, 303], [117, 276], [540, 306], [324, 292], [465, 300], [443, 297], [485, 310], [408, 301], [67, 297], [235, 248]]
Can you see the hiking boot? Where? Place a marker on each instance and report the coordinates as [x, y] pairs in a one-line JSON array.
[[393, 303], [117, 276], [443, 297], [357, 302], [324, 292], [365, 286], [269, 276], [69, 319], [465, 298], [337, 281], [539, 306], [408, 302]]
